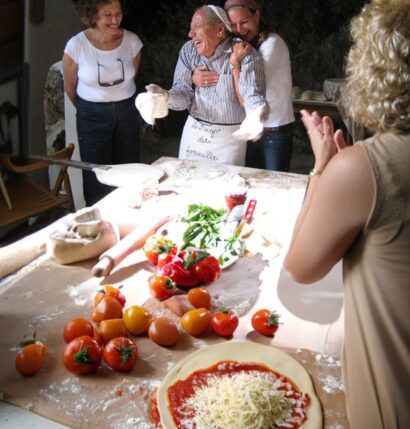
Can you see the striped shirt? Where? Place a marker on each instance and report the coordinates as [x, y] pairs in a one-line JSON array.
[[217, 104]]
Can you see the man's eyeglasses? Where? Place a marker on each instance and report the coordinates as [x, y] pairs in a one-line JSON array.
[[115, 82]]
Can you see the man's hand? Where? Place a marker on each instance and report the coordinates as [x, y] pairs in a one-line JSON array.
[[153, 88], [152, 104], [252, 126], [204, 78]]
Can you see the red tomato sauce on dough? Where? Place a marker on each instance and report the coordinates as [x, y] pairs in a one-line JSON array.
[[182, 390], [153, 411]]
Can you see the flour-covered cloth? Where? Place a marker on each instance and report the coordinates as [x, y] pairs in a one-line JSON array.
[[202, 141]]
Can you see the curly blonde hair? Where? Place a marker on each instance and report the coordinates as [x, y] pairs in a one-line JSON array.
[[378, 67]]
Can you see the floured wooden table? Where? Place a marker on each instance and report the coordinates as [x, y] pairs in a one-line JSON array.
[[44, 296]]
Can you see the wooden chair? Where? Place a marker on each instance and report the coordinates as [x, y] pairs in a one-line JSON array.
[[22, 198]]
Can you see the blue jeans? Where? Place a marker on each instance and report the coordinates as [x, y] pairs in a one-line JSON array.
[[273, 151], [108, 133]]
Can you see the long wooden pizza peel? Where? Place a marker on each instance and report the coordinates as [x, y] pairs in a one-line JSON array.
[[118, 175]]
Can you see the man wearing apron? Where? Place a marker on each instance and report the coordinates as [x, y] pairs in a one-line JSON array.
[[215, 113]]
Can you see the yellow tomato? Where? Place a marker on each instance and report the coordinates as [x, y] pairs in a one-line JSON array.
[[112, 328], [137, 319], [196, 322], [200, 297]]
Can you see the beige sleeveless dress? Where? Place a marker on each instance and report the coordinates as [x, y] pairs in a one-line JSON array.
[[376, 358]]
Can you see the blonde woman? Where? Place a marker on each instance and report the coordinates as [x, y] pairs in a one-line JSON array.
[[357, 208]]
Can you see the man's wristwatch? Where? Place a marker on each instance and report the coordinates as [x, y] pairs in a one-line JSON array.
[[234, 66]]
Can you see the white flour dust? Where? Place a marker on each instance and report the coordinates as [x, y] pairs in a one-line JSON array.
[[28, 295], [79, 300], [331, 384], [47, 317], [327, 360], [118, 404], [138, 423]]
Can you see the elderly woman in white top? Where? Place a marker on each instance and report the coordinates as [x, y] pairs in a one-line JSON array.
[[100, 65]]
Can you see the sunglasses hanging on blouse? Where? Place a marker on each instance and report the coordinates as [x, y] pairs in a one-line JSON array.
[[115, 82]]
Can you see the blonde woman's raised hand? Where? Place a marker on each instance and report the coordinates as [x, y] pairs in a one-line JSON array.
[[339, 140], [239, 51], [321, 134]]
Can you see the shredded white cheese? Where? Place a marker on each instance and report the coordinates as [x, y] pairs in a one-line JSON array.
[[244, 400]]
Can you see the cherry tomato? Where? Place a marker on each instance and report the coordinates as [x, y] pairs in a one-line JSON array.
[[31, 358], [82, 355], [163, 331], [202, 266], [157, 249], [233, 200], [97, 337], [224, 322], [165, 259], [176, 271], [137, 319], [76, 328], [112, 328], [196, 322], [107, 308], [162, 287], [120, 354], [265, 322], [199, 297], [111, 291]]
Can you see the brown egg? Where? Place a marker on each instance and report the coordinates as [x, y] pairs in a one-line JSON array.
[[164, 331]]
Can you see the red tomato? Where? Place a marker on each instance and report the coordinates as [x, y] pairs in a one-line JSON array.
[[224, 322], [110, 291], [162, 287], [196, 322], [199, 297], [233, 200], [31, 358], [265, 322], [82, 355], [107, 308], [120, 354], [76, 328], [176, 271], [157, 249], [165, 259], [202, 266]]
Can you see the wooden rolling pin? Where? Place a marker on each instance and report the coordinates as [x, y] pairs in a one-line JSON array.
[[132, 241]]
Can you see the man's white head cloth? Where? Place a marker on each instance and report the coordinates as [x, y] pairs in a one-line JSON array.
[[221, 14]]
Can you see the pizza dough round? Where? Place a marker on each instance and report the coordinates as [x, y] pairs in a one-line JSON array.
[[128, 175], [239, 351]]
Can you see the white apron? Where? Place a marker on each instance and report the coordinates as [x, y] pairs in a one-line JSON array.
[[202, 141]]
